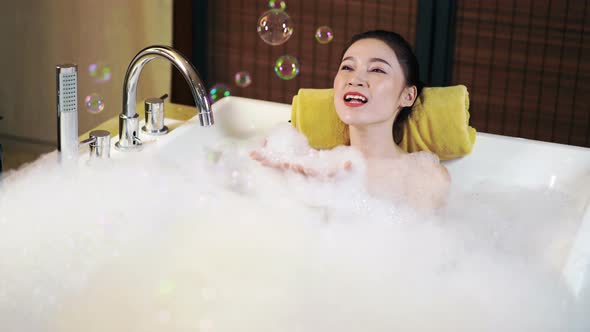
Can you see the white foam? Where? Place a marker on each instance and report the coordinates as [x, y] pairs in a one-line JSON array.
[[212, 241]]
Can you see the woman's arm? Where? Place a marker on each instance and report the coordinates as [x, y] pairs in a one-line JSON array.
[[299, 166]]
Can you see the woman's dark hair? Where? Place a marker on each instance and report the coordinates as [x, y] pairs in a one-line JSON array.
[[408, 62]]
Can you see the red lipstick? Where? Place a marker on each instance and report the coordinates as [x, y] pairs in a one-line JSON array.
[[355, 99]]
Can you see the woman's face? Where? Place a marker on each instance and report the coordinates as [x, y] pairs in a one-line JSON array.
[[370, 85]]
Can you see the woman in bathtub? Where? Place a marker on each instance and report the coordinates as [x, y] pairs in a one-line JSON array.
[[374, 91]]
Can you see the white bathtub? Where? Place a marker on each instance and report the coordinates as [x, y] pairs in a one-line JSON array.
[[498, 161], [501, 159], [495, 159]]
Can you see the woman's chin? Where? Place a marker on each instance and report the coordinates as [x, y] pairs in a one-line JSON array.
[[354, 119], [350, 117], [349, 120]]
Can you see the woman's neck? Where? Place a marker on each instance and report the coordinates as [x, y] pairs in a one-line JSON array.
[[375, 141]]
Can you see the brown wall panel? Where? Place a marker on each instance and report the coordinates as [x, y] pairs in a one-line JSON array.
[[523, 62], [182, 40], [235, 44], [526, 63]]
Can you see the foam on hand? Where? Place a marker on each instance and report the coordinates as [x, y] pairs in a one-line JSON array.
[[212, 241], [285, 144]]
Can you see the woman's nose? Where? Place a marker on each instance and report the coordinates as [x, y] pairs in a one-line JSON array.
[[356, 81]]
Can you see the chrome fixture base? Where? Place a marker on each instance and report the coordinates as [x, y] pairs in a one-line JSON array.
[[128, 133], [159, 132], [135, 148]]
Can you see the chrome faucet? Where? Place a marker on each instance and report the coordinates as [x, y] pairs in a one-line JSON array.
[[67, 120], [129, 119]]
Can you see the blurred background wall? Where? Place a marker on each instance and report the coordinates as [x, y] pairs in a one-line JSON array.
[[36, 35], [526, 63]]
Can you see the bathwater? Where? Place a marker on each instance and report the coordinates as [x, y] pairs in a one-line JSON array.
[[210, 240]]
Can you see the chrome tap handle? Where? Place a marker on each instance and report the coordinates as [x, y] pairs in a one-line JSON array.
[[100, 144], [88, 141], [154, 117]]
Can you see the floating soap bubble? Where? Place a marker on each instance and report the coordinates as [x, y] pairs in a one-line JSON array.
[[94, 103], [243, 79], [275, 27], [218, 91], [274, 4], [324, 34], [99, 72], [287, 67]]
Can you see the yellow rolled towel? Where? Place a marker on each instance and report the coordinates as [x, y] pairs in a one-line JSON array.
[[439, 122], [313, 114]]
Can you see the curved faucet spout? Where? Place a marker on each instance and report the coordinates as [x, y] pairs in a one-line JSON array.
[[129, 119]]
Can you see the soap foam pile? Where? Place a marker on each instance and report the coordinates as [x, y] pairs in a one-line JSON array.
[[211, 241]]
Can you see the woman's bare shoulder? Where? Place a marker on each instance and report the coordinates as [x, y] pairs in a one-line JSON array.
[[431, 160], [445, 173], [426, 157]]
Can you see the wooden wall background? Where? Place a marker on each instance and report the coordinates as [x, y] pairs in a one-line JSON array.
[[525, 62], [527, 66], [234, 44]]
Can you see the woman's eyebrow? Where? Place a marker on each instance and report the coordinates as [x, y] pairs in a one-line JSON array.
[[370, 60], [379, 60]]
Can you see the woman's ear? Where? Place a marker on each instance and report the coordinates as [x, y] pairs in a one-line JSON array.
[[409, 95]]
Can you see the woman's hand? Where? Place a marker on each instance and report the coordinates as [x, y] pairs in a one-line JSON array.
[[298, 167]]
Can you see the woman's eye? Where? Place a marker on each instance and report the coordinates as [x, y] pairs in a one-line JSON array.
[[378, 70], [345, 67]]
